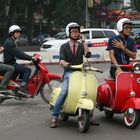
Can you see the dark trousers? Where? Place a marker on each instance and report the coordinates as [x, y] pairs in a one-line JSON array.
[[22, 71], [113, 71]]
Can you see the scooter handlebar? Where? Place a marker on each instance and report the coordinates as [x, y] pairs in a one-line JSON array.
[[96, 70], [83, 67], [75, 68], [129, 66]]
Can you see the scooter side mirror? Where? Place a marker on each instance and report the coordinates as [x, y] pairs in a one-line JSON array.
[[86, 66], [96, 70], [136, 67]]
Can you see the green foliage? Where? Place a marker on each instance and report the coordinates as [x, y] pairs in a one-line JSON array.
[[106, 2], [67, 11], [136, 4]]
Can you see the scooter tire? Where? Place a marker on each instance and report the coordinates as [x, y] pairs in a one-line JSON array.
[[132, 123], [46, 89], [84, 121]]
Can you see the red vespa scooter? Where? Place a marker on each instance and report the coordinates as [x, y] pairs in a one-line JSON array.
[[122, 96]]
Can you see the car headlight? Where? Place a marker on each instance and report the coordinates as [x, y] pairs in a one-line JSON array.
[[136, 67], [86, 66]]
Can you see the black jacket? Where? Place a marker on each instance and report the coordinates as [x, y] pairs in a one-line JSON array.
[[66, 54], [11, 52]]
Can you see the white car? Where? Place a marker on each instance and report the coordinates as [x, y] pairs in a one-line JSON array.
[[96, 38]]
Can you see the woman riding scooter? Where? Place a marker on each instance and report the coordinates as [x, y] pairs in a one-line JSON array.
[[71, 53]]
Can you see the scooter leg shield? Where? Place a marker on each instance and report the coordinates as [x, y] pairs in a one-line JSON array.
[[86, 104]]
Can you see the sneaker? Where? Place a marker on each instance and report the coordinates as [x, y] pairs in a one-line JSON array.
[[54, 122], [23, 91]]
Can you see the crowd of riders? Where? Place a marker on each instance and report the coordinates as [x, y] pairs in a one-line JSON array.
[[121, 48]]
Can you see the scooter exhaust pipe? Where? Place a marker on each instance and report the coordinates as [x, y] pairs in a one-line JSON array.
[[6, 96], [1, 95]]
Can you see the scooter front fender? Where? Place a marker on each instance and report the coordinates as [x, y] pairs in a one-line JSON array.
[[85, 103], [133, 102]]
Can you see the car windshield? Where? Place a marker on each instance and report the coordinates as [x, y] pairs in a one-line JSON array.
[[60, 35], [109, 33]]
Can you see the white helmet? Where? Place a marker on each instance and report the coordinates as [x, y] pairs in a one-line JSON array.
[[71, 25], [14, 28], [121, 22]]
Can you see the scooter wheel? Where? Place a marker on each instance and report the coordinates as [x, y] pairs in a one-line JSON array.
[[84, 121], [46, 89], [109, 114], [1, 100], [131, 118]]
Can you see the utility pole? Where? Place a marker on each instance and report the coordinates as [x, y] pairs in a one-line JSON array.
[[86, 13], [90, 12]]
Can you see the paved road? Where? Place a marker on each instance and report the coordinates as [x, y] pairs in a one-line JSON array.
[[20, 120]]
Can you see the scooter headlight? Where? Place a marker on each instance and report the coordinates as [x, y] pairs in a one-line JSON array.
[[136, 67], [84, 93], [86, 66]]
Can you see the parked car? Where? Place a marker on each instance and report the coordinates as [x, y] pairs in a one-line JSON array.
[[23, 40], [95, 37], [61, 35], [37, 40]]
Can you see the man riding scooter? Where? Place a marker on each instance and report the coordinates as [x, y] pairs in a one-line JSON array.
[[11, 53], [8, 72], [122, 94], [121, 47], [71, 53]]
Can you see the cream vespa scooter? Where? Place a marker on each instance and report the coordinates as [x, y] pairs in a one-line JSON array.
[[81, 97]]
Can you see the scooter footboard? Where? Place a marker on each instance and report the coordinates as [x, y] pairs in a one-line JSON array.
[[85, 104], [131, 103]]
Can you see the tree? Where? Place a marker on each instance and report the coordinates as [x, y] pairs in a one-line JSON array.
[[105, 2], [59, 13], [12, 12], [136, 4]]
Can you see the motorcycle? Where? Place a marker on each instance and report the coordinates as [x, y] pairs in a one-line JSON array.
[[39, 79], [122, 95], [81, 97]]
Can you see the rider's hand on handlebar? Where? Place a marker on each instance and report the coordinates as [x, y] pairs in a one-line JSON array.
[[34, 58], [64, 64], [118, 71]]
